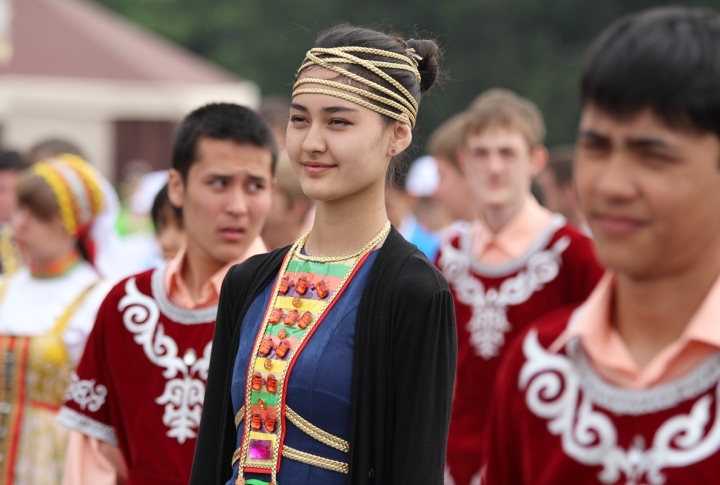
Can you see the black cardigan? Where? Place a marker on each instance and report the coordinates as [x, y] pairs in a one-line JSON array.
[[403, 370]]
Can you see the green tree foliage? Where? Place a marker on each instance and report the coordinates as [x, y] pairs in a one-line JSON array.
[[534, 47]]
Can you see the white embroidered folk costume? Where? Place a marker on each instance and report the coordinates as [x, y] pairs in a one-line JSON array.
[[45, 318]]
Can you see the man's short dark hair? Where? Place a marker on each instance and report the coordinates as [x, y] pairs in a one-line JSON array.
[[666, 59], [220, 121]]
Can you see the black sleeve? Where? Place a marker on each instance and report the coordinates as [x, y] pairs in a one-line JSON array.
[[424, 359], [212, 460]]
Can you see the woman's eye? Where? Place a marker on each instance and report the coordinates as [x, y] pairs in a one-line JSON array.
[[296, 119], [340, 122]]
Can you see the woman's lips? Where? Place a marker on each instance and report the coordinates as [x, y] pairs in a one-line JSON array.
[[317, 168], [617, 225]]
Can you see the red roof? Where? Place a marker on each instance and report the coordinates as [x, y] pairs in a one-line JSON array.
[[79, 39]]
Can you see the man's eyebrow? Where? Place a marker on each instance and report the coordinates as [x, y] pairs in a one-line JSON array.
[[257, 178], [649, 142]]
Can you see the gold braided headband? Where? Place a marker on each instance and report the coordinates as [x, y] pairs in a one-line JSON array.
[[404, 102]]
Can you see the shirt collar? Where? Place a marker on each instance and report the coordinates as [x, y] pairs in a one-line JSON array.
[[176, 287], [516, 237], [591, 322]]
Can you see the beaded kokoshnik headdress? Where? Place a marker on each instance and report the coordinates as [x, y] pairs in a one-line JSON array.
[[402, 101]]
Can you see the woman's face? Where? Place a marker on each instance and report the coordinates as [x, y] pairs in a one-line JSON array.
[[338, 148], [41, 242]]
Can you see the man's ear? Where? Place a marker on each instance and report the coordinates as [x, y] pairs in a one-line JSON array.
[[538, 160], [176, 188], [401, 139]]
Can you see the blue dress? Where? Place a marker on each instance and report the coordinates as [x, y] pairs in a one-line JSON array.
[[319, 386]]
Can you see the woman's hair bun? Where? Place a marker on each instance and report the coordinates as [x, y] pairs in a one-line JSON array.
[[429, 66]]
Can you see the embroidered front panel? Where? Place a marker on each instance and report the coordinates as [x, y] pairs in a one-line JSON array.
[[554, 386], [304, 292], [489, 323], [185, 375]]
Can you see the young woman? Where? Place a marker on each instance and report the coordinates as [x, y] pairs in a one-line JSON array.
[[47, 308], [334, 359]]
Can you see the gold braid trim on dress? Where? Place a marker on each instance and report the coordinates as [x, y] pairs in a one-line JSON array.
[[404, 102]]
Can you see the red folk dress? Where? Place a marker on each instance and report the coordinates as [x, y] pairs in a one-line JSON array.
[[556, 420], [495, 303], [141, 382]]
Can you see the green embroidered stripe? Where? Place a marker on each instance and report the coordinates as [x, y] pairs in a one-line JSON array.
[[329, 269], [269, 398]]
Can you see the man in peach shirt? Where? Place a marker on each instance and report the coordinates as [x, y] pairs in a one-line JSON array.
[[512, 264], [134, 405], [626, 388]]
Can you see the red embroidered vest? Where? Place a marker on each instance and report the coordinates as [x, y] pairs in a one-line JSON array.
[[493, 304], [141, 382]]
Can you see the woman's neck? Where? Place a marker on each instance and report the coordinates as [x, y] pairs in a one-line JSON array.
[[57, 266], [344, 226]]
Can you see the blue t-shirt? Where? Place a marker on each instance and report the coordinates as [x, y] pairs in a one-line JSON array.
[[318, 388]]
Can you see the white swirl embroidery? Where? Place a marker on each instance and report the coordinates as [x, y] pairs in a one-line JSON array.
[[186, 376], [489, 324], [85, 393], [589, 436]]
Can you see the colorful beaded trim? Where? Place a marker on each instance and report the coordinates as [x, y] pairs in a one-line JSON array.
[[303, 294]]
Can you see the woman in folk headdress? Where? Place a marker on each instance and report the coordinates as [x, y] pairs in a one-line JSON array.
[[47, 308], [334, 359]]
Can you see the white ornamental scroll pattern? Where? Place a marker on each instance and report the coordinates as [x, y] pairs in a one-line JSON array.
[[186, 376], [86, 393], [590, 437], [488, 323]]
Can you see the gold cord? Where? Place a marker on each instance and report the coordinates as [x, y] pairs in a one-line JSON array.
[[404, 102], [331, 259], [314, 432]]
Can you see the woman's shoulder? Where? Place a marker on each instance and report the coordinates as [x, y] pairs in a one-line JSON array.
[[407, 270], [255, 268]]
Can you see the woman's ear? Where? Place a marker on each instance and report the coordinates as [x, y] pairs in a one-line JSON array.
[[401, 139]]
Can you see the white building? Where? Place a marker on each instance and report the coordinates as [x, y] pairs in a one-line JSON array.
[[71, 69]]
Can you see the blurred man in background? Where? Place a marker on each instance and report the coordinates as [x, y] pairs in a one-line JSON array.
[[556, 183], [514, 263]]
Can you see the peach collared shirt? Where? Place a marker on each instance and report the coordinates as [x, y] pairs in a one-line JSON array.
[[611, 357], [514, 239], [177, 290]]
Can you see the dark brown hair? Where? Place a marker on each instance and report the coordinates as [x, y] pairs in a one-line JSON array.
[[347, 35]]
